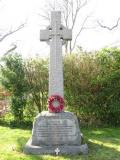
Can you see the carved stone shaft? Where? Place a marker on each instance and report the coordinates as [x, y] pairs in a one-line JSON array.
[[55, 35]]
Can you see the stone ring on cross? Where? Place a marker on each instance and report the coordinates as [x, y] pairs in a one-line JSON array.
[[49, 29]]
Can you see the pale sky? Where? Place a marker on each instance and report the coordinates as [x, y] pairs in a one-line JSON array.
[[15, 12]]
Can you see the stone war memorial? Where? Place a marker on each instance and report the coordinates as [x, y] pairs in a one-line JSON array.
[[56, 131]]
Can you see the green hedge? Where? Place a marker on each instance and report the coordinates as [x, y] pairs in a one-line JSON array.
[[91, 86]]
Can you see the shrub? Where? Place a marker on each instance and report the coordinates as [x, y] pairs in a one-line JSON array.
[[36, 71], [13, 79], [108, 80], [92, 86]]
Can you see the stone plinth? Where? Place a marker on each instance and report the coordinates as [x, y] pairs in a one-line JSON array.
[[55, 130]]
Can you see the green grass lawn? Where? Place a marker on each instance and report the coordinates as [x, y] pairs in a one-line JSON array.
[[104, 144]]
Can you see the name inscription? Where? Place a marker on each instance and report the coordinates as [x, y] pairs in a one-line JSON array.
[[56, 130]]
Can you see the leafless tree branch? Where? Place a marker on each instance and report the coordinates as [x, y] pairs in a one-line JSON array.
[[14, 46], [82, 27], [70, 11], [52, 6], [109, 28], [44, 17], [2, 37], [74, 18], [79, 5]]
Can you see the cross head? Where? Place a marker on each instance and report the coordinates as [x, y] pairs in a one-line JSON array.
[[56, 29]]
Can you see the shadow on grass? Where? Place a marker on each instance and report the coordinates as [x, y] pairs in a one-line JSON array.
[[21, 143], [105, 135], [14, 125], [102, 152], [96, 152], [20, 147]]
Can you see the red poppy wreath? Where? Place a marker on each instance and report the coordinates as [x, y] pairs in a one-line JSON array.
[[55, 103]]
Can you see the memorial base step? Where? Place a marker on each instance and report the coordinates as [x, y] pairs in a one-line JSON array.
[[63, 150]]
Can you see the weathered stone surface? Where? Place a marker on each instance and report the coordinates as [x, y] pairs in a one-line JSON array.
[[64, 149], [52, 130], [56, 129], [55, 34]]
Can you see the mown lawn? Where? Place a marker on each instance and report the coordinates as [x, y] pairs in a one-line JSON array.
[[104, 144]]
